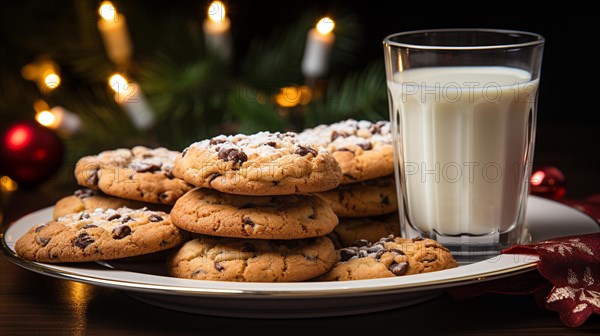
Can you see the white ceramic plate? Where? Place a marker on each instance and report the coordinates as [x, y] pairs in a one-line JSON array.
[[545, 219]]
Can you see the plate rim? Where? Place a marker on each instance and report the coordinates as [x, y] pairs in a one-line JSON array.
[[356, 287]]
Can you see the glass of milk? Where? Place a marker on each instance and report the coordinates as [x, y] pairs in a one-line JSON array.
[[463, 112]]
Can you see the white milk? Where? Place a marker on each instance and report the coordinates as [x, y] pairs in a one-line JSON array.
[[466, 141]]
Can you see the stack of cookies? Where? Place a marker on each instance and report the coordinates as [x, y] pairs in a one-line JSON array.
[[253, 210], [261, 207], [366, 200]]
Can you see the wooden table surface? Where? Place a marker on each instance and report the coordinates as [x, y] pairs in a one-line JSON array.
[[39, 305]]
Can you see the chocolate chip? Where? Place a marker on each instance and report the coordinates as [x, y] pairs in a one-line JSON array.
[[89, 226], [93, 178], [275, 182], [400, 252], [379, 254], [39, 228], [248, 248], [399, 268], [41, 240], [286, 134], [271, 143], [375, 128], [247, 220], [233, 154], [375, 248], [142, 167], [365, 145], [84, 215], [83, 240], [362, 242], [344, 149], [303, 151], [184, 151], [126, 219], [164, 243], [163, 196], [168, 174], [387, 239], [155, 218], [312, 216], [310, 258], [212, 176], [385, 200], [416, 239], [198, 272], [121, 231], [219, 267], [84, 193], [347, 254], [216, 141], [363, 254], [114, 216], [336, 134]]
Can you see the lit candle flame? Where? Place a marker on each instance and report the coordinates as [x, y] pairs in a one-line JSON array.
[[216, 11], [107, 11], [46, 118], [52, 81], [325, 25], [117, 82]]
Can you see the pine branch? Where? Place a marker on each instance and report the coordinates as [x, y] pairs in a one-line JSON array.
[[361, 95]]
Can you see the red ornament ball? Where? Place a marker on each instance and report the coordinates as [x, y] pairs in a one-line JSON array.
[[30, 153], [548, 182]]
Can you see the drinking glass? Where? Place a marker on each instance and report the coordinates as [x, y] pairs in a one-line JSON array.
[[463, 113]]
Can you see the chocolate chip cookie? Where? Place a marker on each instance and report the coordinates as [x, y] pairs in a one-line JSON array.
[[213, 213], [99, 235], [389, 257], [366, 198], [259, 164], [349, 230], [362, 148], [90, 200], [230, 259], [140, 174]]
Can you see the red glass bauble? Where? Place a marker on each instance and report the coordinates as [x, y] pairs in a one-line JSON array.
[[30, 153], [548, 182]]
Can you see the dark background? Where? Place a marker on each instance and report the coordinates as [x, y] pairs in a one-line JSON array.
[[567, 115]]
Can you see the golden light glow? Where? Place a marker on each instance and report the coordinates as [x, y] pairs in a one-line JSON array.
[[325, 25], [216, 11], [117, 82], [52, 81], [291, 96], [39, 105], [107, 11], [46, 118], [8, 184]]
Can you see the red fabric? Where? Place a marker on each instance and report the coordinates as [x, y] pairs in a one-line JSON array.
[[567, 279], [572, 265]]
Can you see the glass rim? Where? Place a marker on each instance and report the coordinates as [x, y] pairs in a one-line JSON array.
[[536, 39]]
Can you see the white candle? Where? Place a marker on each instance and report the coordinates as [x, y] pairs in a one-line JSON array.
[[318, 47], [217, 32], [60, 119], [133, 101], [113, 29]]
